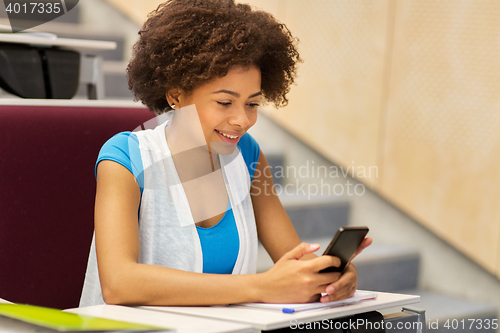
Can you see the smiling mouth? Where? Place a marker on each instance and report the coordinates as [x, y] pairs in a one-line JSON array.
[[231, 137]]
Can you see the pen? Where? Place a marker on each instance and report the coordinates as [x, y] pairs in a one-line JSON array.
[[288, 310]]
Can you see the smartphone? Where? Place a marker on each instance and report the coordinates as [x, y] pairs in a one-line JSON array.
[[343, 245]]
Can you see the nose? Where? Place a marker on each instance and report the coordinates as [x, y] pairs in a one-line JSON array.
[[239, 117]]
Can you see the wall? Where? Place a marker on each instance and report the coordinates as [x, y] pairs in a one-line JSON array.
[[440, 149]]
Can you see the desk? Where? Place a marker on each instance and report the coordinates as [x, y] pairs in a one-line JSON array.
[[21, 38], [181, 323], [90, 66], [269, 320], [229, 318]]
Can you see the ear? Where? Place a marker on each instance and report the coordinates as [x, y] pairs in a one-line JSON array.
[[173, 96]]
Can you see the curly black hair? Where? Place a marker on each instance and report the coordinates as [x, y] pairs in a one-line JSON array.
[[186, 43]]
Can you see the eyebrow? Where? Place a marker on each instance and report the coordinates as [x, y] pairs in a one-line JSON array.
[[235, 94]]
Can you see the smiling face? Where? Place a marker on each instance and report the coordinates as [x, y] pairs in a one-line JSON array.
[[227, 106]]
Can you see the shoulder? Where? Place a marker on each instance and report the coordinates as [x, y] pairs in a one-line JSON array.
[[120, 144], [121, 148], [119, 140], [250, 150]]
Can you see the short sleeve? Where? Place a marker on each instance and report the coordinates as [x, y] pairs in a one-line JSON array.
[[250, 151], [123, 148]]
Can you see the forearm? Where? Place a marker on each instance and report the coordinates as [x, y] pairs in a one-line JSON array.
[[145, 284]]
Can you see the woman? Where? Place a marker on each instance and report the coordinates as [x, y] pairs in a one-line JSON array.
[[179, 208]]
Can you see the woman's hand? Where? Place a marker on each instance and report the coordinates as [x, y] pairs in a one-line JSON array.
[[346, 285], [292, 280]]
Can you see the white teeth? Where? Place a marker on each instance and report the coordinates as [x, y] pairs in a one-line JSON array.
[[227, 135]]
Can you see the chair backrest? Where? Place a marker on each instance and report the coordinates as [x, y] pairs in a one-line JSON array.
[[47, 158]]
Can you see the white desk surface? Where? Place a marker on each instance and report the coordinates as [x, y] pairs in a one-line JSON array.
[[268, 320], [4, 301], [19, 38], [181, 323]]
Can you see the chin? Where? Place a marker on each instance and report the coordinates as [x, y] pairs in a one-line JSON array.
[[223, 148]]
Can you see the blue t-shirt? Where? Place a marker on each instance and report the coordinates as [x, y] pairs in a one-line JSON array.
[[220, 244]]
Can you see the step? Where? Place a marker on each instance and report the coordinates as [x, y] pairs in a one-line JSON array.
[[314, 216], [276, 160], [445, 314], [115, 82], [386, 268], [380, 267]]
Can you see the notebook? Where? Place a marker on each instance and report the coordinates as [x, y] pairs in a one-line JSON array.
[[358, 296], [63, 321]]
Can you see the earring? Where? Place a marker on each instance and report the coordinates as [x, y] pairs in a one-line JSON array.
[[173, 106]]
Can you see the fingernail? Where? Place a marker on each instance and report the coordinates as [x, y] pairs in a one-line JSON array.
[[330, 290], [313, 246]]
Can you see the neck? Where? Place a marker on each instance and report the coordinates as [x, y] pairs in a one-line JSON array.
[[190, 152], [184, 131]]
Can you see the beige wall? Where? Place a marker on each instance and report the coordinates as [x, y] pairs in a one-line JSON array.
[[411, 87], [441, 157]]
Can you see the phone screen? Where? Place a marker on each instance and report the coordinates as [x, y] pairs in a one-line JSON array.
[[343, 245]]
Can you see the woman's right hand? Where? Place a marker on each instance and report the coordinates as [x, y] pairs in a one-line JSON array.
[[291, 280]]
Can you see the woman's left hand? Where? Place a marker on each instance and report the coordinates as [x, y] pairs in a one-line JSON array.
[[345, 286]]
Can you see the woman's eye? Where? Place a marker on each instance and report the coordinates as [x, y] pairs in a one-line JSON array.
[[254, 105], [224, 103]]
